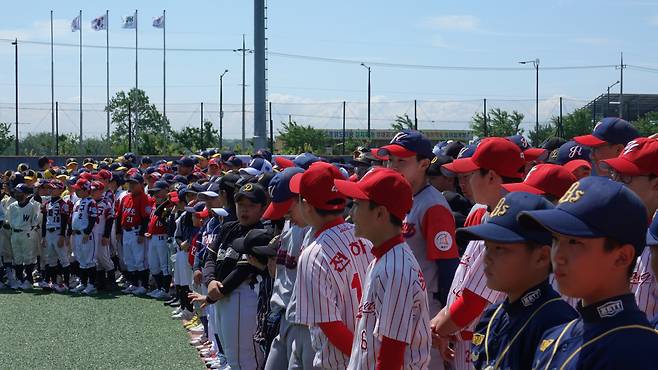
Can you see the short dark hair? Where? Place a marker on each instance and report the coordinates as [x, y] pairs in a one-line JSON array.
[[506, 180], [610, 244], [532, 245], [334, 212], [393, 219]]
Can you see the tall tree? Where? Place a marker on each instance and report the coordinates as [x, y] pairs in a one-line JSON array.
[[151, 133], [576, 123], [6, 138], [647, 124], [499, 123], [402, 123], [299, 138], [190, 138]]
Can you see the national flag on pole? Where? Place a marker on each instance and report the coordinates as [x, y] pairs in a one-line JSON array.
[[129, 21], [75, 24], [159, 22], [99, 23]]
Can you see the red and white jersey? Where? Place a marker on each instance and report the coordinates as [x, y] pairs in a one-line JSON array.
[[429, 230], [328, 287], [104, 211], [55, 211], [643, 285], [394, 305], [83, 211]]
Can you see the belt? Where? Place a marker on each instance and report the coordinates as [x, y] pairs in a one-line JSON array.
[[18, 230], [77, 232], [160, 237], [130, 228], [52, 229]]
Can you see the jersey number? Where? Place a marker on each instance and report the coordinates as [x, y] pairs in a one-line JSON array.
[[356, 284]]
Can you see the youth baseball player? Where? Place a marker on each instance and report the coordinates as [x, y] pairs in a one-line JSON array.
[[393, 318], [22, 218], [101, 232], [330, 270], [156, 235], [55, 227], [5, 239], [83, 220]]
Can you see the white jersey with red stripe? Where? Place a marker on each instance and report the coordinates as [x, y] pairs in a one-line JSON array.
[[643, 285], [83, 211], [104, 211], [55, 210], [328, 287], [394, 305], [429, 230]]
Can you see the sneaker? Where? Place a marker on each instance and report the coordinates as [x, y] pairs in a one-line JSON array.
[[170, 301], [59, 288], [161, 294], [220, 364], [129, 289], [175, 303], [90, 289], [79, 288], [43, 285], [206, 352], [140, 290], [196, 329], [176, 311], [150, 293], [183, 315], [120, 280], [199, 340], [192, 323], [26, 285]]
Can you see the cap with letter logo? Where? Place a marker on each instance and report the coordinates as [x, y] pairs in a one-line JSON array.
[[639, 157], [594, 207], [610, 130], [405, 144]]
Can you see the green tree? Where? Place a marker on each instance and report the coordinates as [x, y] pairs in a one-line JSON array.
[[190, 138], [499, 123], [537, 137], [299, 138], [402, 123], [576, 123], [6, 138], [151, 134], [647, 124]]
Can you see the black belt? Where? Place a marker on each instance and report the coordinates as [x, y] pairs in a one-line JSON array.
[[17, 230], [130, 228], [52, 229]]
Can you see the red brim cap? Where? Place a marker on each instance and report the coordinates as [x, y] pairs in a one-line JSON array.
[[575, 164], [534, 154], [284, 162], [393, 149], [589, 140], [523, 187], [350, 189], [462, 165], [622, 165], [276, 211], [379, 155], [295, 183], [203, 214]]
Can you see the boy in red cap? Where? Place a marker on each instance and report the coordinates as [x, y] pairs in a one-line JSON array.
[[102, 231], [391, 335], [637, 168], [496, 161], [330, 269]]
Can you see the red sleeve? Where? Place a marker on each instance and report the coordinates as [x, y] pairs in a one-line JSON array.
[[339, 335], [475, 218], [391, 354], [466, 308], [439, 231]]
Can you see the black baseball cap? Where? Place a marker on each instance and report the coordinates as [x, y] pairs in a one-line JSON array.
[[256, 242], [253, 192], [159, 185]]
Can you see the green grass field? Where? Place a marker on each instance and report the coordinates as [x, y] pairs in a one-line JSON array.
[[41, 330]]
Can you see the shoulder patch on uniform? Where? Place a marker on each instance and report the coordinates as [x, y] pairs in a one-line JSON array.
[[545, 344], [443, 241], [478, 339]]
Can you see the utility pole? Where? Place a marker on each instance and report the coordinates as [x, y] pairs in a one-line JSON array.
[[621, 87], [415, 115], [244, 50], [15, 43], [368, 68], [343, 127], [221, 110], [535, 63]]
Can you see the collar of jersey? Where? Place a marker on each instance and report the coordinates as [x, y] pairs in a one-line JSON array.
[[518, 306], [329, 225], [386, 246], [591, 313]]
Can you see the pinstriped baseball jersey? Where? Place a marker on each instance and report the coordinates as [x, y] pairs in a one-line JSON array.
[[55, 211], [328, 288], [643, 285], [83, 211], [394, 305], [291, 310], [103, 212]]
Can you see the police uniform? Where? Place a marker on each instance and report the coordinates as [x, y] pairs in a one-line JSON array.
[[509, 332]]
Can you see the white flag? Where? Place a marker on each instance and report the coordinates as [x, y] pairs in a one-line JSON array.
[[99, 23], [159, 22], [129, 21], [75, 24]]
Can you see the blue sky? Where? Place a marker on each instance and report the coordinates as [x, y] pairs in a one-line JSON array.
[[465, 33]]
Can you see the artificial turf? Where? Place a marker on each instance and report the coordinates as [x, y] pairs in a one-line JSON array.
[[40, 330]]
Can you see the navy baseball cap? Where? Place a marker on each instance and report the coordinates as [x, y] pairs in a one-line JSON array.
[[280, 193], [438, 148], [253, 192], [159, 185], [464, 152], [181, 179], [146, 160], [610, 130], [257, 166], [405, 144], [198, 207], [263, 153], [186, 162], [305, 160], [589, 209], [569, 151], [520, 141], [136, 178], [652, 232], [503, 226]]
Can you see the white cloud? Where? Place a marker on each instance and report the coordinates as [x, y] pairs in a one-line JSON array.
[[39, 30], [454, 22]]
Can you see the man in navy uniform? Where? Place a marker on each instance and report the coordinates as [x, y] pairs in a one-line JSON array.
[[518, 263], [599, 229]]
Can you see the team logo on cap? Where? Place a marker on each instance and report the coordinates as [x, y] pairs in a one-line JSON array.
[[573, 194], [461, 152], [501, 208], [630, 147], [270, 190], [610, 309], [399, 136], [248, 187], [575, 150], [533, 169], [434, 159], [554, 154]]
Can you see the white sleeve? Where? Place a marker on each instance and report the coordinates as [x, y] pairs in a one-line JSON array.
[[316, 301], [395, 319]]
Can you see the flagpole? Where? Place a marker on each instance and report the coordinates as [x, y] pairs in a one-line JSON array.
[[107, 71], [80, 29], [52, 81], [136, 84], [164, 65]]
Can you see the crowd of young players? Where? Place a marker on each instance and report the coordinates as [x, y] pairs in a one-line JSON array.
[[490, 255]]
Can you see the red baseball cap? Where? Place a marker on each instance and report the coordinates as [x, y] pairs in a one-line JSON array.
[[535, 154], [283, 162], [316, 185], [82, 184], [87, 176], [572, 166], [104, 174], [378, 186], [214, 162], [544, 179], [97, 185], [494, 153], [173, 197], [639, 157]]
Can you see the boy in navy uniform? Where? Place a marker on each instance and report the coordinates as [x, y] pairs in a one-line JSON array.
[[599, 229], [652, 242], [518, 263]]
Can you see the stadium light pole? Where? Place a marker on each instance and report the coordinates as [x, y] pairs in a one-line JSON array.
[[535, 64], [221, 110], [607, 106], [368, 68], [15, 43]]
